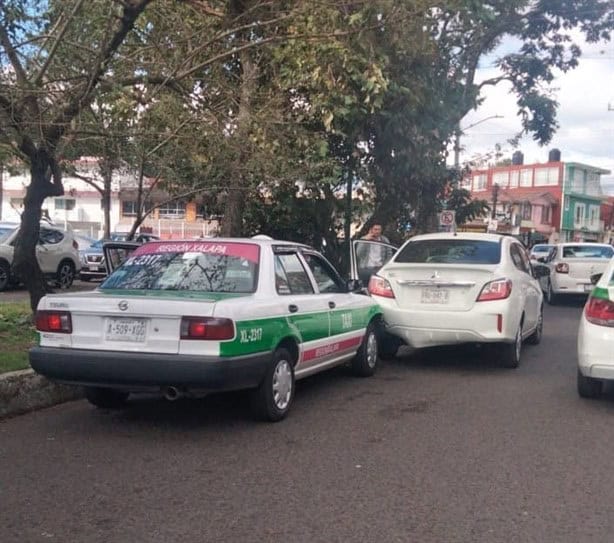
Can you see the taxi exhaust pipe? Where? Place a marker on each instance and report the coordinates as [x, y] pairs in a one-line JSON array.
[[172, 393]]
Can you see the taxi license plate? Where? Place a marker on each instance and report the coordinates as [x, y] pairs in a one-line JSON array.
[[435, 296], [126, 330]]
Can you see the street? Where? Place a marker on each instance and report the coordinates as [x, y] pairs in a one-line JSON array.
[[440, 446]]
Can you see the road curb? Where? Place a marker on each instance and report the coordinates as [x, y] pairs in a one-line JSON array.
[[23, 391]]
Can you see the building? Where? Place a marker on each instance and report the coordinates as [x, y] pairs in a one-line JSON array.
[[543, 202], [81, 205]]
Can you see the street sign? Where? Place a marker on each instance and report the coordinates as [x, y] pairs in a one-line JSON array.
[[447, 218]]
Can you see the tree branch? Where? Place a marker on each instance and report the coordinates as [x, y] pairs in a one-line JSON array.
[[5, 40]]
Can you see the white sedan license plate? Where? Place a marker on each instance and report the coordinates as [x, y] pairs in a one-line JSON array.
[[435, 296], [126, 330]]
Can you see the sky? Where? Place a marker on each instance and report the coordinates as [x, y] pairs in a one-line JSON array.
[[586, 132]]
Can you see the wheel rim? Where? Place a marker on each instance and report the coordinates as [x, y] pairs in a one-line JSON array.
[[371, 350], [518, 344], [282, 385], [66, 276]]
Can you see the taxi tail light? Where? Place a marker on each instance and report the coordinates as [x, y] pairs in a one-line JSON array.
[[59, 322], [380, 287], [211, 328], [562, 267], [495, 290], [600, 311]]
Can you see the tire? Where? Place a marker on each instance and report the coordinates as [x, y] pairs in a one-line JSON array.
[[364, 363], [510, 352], [388, 345], [588, 387], [271, 401], [536, 337], [65, 275], [106, 398], [5, 275], [551, 297]]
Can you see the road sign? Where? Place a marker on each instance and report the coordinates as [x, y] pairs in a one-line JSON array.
[[447, 218]]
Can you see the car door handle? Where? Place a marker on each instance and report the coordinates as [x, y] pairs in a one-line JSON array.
[[293, 308], [332, 305]]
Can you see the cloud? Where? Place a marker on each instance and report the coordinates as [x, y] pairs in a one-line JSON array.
[[585, 114]]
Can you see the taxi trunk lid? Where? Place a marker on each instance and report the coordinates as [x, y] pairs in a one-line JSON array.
[[128, 321], [583, 268], [438, 288]]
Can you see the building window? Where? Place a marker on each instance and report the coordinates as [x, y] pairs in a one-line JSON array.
[[501, 179], [172, 209], [525, 211], [526, 177], [66, 204], [546, 215], [594, 216], [579, 214], [566, 203], [546, 176], [514, 176], [479, 182], [129, 208]]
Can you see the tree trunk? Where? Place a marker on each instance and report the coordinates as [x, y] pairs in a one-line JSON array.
[[25, 263], [232, 223], [106, 171]]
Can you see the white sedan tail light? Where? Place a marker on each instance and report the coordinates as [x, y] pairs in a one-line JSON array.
[[380, 287], [495, 290], [59, 322], [599, 310]]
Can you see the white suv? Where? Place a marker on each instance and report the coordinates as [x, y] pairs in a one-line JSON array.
[[57, 253]]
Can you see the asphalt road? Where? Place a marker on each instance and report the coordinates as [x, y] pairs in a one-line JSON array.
[[441, 446]]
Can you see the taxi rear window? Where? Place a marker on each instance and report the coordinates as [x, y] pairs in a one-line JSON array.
[[450, 251], [200, 267], [587, 251]]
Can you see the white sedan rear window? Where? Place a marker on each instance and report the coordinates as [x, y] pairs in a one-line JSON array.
[[450, 251], [587, 251]]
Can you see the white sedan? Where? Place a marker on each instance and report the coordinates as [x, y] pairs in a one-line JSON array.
[[446, 289], [596, 337]]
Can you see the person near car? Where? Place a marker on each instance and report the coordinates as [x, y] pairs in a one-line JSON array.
[[371, 257]]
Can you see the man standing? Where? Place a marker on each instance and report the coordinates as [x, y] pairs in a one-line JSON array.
[[371, 256]]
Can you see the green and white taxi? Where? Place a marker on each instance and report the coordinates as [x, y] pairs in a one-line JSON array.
[[192, 317]]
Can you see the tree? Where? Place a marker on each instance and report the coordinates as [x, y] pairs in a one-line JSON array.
[[53, 61]]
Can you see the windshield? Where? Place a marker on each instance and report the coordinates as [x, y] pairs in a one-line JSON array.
[[541, 248], [200, 267], [588, 251], [450, 251]]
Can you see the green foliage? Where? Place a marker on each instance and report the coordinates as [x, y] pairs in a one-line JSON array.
[[17, 335]]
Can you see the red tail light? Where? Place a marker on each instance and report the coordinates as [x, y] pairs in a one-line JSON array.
[[59, 322], [599, 311], [210, 328], [495, 290], [562, 267], [380, 287]]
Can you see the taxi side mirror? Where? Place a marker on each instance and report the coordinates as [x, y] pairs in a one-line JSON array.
[[354, 285]]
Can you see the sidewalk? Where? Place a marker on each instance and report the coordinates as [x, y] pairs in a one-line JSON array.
[[23, 391]]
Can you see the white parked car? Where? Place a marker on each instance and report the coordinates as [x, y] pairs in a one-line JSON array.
[[191, 317], [596, 337], [57, 253], [540, 250], [569, 266], [446, 289]]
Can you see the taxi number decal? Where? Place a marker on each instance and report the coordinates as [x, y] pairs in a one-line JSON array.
[[250, 335], [346, 320]]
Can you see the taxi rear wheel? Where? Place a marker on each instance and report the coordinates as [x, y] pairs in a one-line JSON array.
[[364, 363], [106, 398], [271, 401]]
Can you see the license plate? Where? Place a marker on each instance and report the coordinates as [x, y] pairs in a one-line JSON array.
[[126, 330], [93, 267], [435, 296]]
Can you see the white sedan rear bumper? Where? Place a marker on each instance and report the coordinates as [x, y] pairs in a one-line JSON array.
[[437, 327], [596, 350]]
